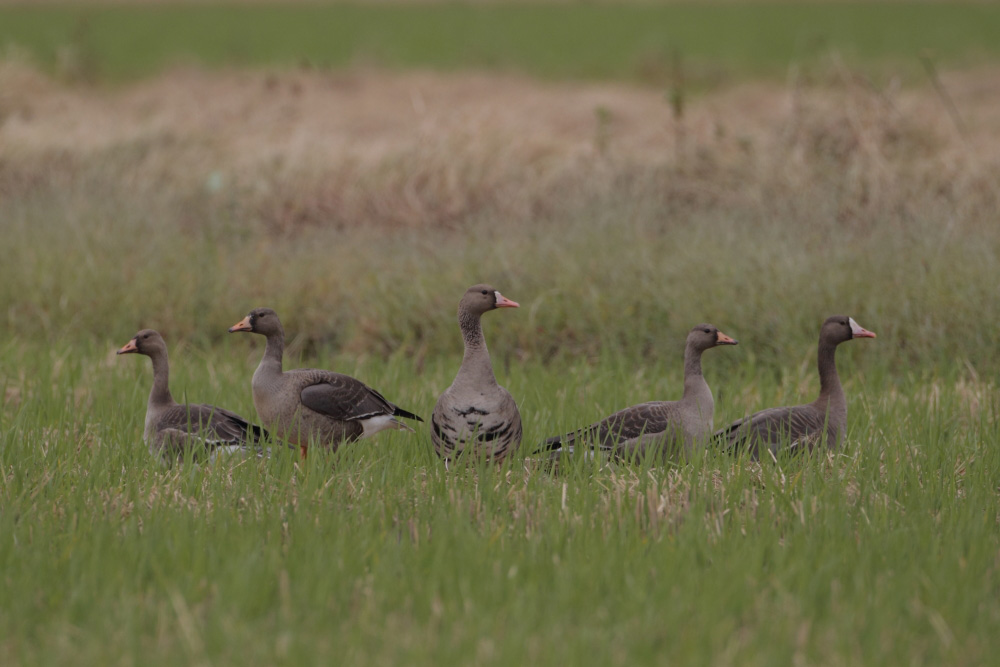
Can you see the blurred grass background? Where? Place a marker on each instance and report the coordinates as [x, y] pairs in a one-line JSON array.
[[763, 212]]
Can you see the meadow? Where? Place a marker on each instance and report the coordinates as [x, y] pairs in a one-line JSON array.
[[360, 203], [639, 41]]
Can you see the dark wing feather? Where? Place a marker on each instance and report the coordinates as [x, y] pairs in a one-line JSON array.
[[632, 422], [773, 428], [397, 411], [345, 398], [215, 425]]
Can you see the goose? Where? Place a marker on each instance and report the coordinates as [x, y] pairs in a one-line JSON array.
[[802, 426], [308, 406], [476, 414], [172, 429], [657, 425]]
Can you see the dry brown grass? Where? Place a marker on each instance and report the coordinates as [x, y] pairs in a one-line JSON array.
[[360, 202], [418, 149]]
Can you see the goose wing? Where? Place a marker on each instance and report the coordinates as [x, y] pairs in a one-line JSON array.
[[213, 425], [624, 425], [345, 398], [773, 428]]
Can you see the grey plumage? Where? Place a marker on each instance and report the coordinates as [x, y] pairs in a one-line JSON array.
[[801, 427], [171, 429], [310, 406], [663, 426], [475, 414]]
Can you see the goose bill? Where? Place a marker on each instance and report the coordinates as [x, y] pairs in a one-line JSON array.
[[242, 325], [857, 331], [504, 302], [723, 339]]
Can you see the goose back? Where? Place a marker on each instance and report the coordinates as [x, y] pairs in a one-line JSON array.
[[202, 430], [795, 428]]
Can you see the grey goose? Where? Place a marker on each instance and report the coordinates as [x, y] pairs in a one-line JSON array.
[[475, 414], [801, 427], [172, 429], [657, 426], [308, 406]]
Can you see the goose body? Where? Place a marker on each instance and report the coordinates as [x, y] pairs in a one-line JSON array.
[[172, 429], [308, 406], [475, 414], [657, 425], [801, 427]]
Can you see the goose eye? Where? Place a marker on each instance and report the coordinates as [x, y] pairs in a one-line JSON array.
[[708, 331], [485, 292]]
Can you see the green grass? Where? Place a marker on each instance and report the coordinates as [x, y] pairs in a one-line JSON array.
[[624, 275], [580, 41], [884, 554]]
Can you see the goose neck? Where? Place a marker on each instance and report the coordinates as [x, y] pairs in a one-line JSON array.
[[831, 393], [273, 353], [159, 395], [476, 363], [694, 381]]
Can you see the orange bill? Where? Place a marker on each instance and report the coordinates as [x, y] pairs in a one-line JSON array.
[[723, 339], [857, 331], [128, 347], [242, 325], [504, 302]]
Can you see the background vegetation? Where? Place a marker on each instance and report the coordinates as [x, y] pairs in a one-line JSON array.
[[579, 40], [360, 203]]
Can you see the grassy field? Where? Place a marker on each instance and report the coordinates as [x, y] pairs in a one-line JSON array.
[[551, 40], [360, 204], [884, 554]]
